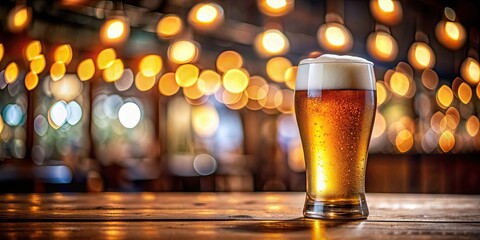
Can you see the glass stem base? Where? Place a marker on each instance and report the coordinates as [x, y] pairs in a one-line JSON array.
[[336, 210]]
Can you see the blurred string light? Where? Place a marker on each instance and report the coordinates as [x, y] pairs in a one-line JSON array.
[[382, 92], [67, 89], [169, 26], [235, 81], [271, 42], [446, 141], [144, 83], [33, 49], [404, 141], [63, 54], [58, 114], [209, 82], [19, 18], [167, 85], [257, 88], [183, 51], [86, 69], [429, 79], [187, 75], [275, 8], [129, 115], [11, 73], [125, 81], [38, 63], [12, 114], [276, 68], [421, 56], [2, 51], [105, 58], [444, 96], [273, 99], [150, 65], [229, 60], [387, 11], [333, 35], [450, 33], [57, 71], [206, 16], [464, 93], [291, 77], [472, 126], [31, 80], [382, 46], [114, 71], [193, 93], [470, 71], [205, 120], [114, 31]]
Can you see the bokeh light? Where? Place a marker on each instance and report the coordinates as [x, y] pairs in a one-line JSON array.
[[57, 71], [186, 75], [183, 52], [40, 125], [291, 77], [271, 42], [288, 97], [472, 125], [204, 164], [125, 81], [399, 83], [379, 126], [335, 37], [19, 18], [387, 11], [169, 26], [444, 96], [235, 81], [277, 67], [205, 120], [464, 93], [382, 46], [38, 63], [2, 51], [105, 58], [429, 79], [129, 115], [470, 71], [229, 60], [86, 69], [382, 93], [273, 99], [114, 71], [31, 80], [275, 8], [75, 113], [404, 141], [206, 16], [114, 31], [446, 141], [58, 114], [257, 88], [167, 85], [150, 65], [144, 83], [209, 81], [193, 92], [421, 56], [12, 114], [11, 72], [63, 54], [33, 49], [67, 89], [450, 33]]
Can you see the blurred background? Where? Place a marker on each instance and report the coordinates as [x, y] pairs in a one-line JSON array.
[[183, 95]]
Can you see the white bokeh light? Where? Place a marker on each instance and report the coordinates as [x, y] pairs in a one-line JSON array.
[[58, 114], [129, 115], [75, 113]]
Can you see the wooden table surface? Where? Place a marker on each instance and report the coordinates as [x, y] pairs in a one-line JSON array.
[[230, 216]]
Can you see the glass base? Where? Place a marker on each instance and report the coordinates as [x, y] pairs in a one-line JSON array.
[[336, 210]]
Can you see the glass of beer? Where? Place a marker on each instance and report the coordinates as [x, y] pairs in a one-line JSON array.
[[335, 104]]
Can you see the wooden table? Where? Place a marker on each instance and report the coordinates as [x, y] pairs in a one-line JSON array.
[[230, 216]]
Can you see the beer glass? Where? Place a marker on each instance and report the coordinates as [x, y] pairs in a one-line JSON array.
[[335, 102]]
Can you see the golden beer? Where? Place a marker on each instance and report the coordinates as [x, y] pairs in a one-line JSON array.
[[335, 128]]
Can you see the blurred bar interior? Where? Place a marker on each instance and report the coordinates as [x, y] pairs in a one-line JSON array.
[[183, 95]]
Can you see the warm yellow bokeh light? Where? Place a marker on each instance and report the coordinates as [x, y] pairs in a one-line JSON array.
[[335, 37], [63, 53], [114, 71], [464, 93], [275, 8], [381, 93], [114, 31], [451, 34], [205, 120], [444, 96], [169, 26], [106, 58], [167, 85], [144, 83], [291, 77], [229, 60], [209, 82], [470, 71], [150, 65], [31, 80], [206, 16], [386, 5], [182, 52], [382, 46], [11, 72], [276, 68], [86, 69], [187, 75], [421, 56], [193, 92], [273, 99], [57, 71], [379, 126], [37, 65], [235, 81], [472, 125], [387, 11], [288, 97], [446, 141], [257, 88], [271, 42], [206, 13], [2, 51], [429, 79], [399, 83], [19, 18], [34, 48], [478, 91], [452, 30], [404, 141]]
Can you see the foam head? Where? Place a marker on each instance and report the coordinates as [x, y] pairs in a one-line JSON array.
[[329, 72]]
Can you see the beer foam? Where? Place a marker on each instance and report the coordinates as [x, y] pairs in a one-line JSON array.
[[335, 72]]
